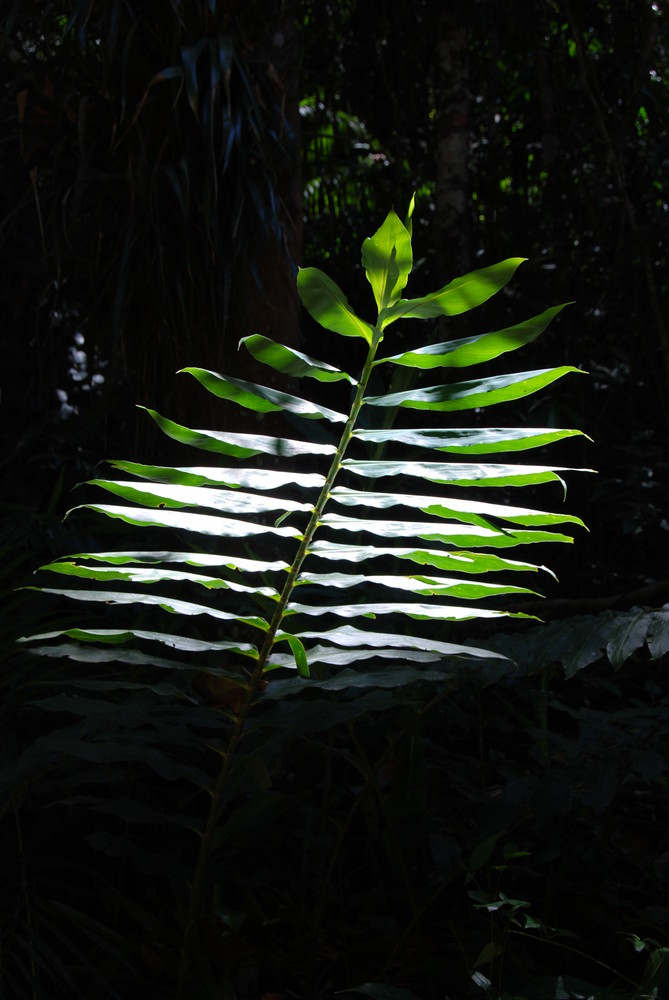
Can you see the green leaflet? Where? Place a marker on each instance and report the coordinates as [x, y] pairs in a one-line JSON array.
[[463, 562], [331, 656], [261, 398], [349, 636], [252, 479], [187, 558], [328, 305], [449, 534], [387, 259], [459, 473], [424, 585], [81, 652], [184, 644], [408, 221], [468, 441], [417, 610], [175, 607], [298, 656], [291, 362], [238, 445], [475, 350], [470, 511], [459, 296], [176, 497], [473, 394], [456, 562], [205, 524], [142, 574]]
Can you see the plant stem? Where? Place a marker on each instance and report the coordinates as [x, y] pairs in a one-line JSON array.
[[251, 690], [577, 951], [314, 521]]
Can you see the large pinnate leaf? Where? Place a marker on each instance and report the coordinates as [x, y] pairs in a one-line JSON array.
[[293, 536], [334, 560]]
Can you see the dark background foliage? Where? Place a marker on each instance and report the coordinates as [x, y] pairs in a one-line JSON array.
[[166, 166]]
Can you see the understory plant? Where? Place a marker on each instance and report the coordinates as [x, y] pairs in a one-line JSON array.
[[306, 577]]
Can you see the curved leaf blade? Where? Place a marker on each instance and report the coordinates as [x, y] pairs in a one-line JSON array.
[[328, 305], [459, 296], [297, 658], [475, 350], [206, 524], [82, 652], [461, 473], [475, 394], [238, 445], [387, 258], [351, 637], [201, 559], [332, 656], [169, 604], [461, 561], [252, 479], [145, 575], [470, 511], [261, 398], [291, 362], [417, 610], [115, 637], [450, 534], [426, 586], [468, 441], [176, 497]]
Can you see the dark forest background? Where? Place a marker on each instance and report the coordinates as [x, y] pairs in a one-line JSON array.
[[165, 170], [166, 166]]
